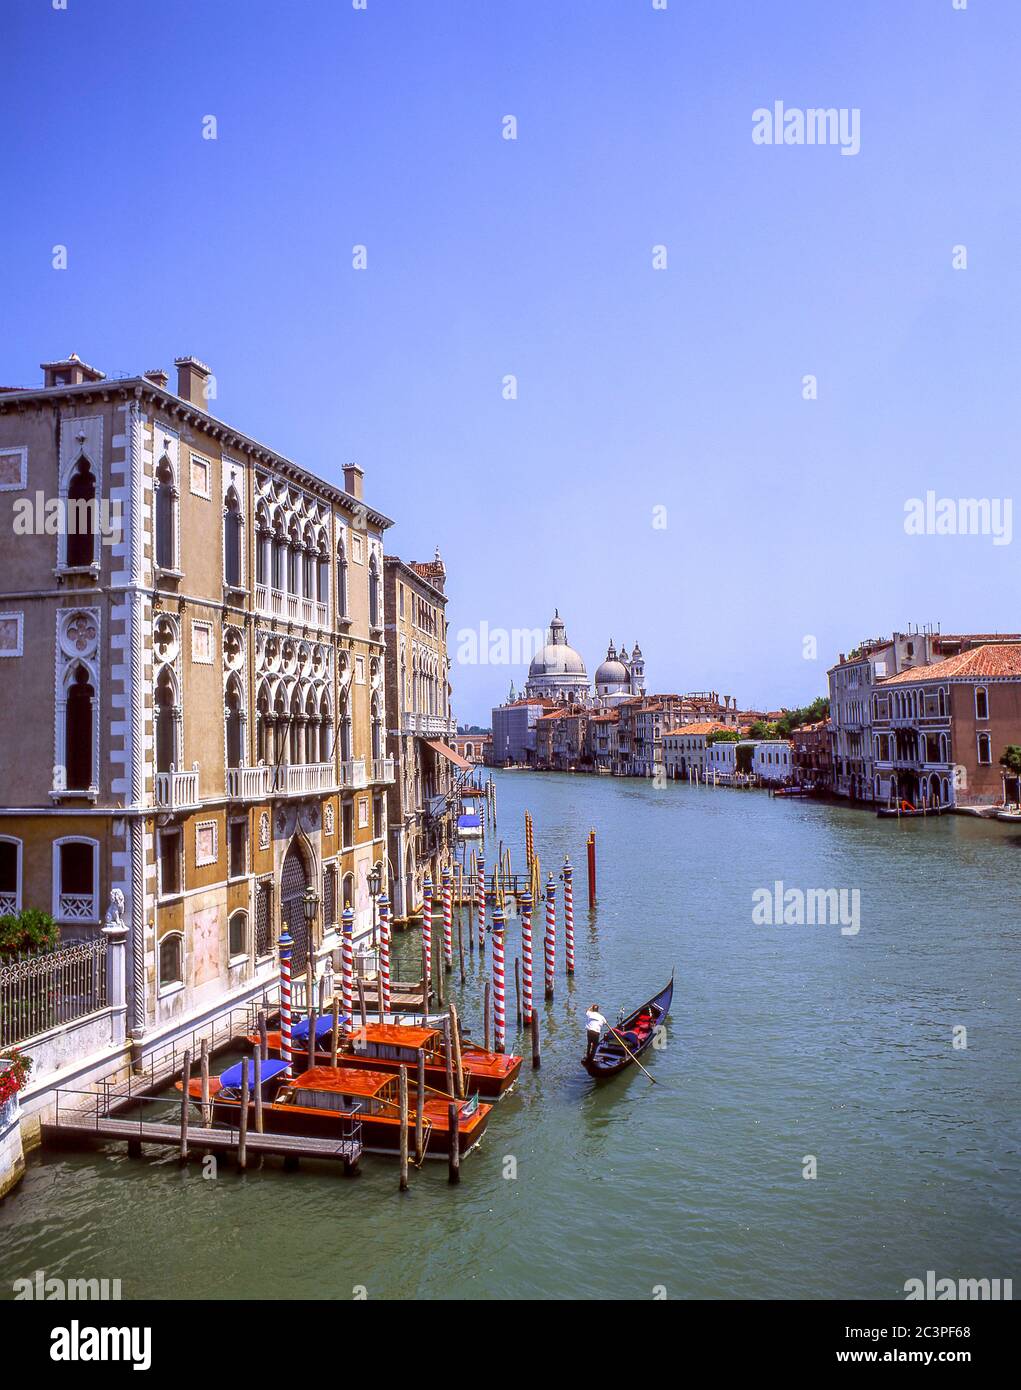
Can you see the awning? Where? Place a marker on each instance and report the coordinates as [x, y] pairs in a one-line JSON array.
[[449, 754]]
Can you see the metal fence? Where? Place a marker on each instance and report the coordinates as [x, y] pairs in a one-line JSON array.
[[40, 992]]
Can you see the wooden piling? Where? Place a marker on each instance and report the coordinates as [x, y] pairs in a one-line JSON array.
[[425, 987], [488, 1017], [335, 1032], [517, 986], [460, 943], [448, 1056], [455, 1041], [362, 1006], [420, 1108], [204, 1065], [258, 1091], [243, 1117], [536, 1048], [454, 1160], [185, 1102], [591, 868], [263, 1035], [402, 1091], [311, 1054]]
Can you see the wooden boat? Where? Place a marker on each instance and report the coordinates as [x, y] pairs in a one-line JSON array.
[[344, 1103], [637, 1030], [1009, 813], [911, 813], [388, 1046]]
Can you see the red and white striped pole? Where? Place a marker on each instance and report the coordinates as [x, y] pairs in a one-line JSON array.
[[481, 897], [286, 946], [551, 935], [448, 918], [569, 915], [427, 928], [526, 956], [347, 991], [384, 950], [499, 993]]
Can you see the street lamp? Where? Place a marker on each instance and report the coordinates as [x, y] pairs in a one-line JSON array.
[[310, 907], [375, 887]]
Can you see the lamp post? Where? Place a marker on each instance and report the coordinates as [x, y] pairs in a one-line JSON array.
[[310, 907], [375, 887]]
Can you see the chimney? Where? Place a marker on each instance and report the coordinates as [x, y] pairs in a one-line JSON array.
[[69, 371], [157, 376], [192, 379], [353, 477]]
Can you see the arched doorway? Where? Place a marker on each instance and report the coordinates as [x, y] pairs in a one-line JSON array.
[[293, 882]]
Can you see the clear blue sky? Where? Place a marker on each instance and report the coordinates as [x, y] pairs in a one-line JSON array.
[[637, 388]]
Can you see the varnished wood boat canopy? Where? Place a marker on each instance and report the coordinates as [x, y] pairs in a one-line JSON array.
[[352, 1081]]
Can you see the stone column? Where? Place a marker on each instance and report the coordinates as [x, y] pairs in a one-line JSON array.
[[116, 934]]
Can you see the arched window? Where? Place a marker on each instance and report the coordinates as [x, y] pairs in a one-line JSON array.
[[322, 574], [165, 711], [341, 581], [325, 730], [311, 730], [349, 890], [166, 516], [237, 935], [235, 725], [294, 564], [75, 879], [232, 540], [279, 559], [10, 876], [79, 732], [81, 516], [981, 702], [985, 749], [262, 741], [296, 722], [171, 960], [377, 729]]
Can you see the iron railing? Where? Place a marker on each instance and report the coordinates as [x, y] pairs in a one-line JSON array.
[[39, 992]]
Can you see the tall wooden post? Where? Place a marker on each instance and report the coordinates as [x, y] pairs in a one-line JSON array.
[[420, 1107], [243, 1118], [335, 1032], [185, 1103], [204, 1065], [258, 1090], [591, 868], [536, 1048], [487, 1027], [402, 1092], [454, 1150], [455, 1042]]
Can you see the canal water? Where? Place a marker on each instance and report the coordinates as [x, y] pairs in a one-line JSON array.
[[786, 1044]]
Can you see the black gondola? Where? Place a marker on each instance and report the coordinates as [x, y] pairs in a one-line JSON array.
[[638, 1031]]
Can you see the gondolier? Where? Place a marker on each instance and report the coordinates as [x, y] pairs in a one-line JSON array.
[[594, 1025]]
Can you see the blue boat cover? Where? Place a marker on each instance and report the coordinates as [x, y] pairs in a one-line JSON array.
[[271, 1067], [468, 822], [324, 1026]]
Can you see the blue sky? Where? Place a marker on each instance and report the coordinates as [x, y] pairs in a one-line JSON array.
[[637, 388]]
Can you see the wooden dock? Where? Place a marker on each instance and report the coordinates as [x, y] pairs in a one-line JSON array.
[[76, 1127]]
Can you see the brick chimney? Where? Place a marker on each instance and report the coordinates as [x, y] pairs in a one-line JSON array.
[[157, 376], [69, 371], [192, 376], [353, 477]]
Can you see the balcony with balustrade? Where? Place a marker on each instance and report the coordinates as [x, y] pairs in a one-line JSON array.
[[176, 791], [383, 770], [426, 725], [295, 608], [304, 779], [353, 773], [249, 783]]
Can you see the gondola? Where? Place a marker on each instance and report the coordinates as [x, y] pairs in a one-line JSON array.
[[638, 1031]]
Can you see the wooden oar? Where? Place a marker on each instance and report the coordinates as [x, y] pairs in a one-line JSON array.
[[631, 1054]]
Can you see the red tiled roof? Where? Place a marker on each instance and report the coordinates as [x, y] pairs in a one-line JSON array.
[[1001, 659], [709, 727]]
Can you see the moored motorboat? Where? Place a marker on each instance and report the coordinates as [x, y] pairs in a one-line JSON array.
[[345, 1103], [387, 1047], [621, 1046], [907, 811]]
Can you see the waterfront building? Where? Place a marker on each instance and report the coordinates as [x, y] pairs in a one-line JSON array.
[[852, 682], [514, 736], [685, 747], [424, 767], [601, 741], [939, 731], [620, 676], [193, 706], [813, 762], [475, 748], [773, 760]]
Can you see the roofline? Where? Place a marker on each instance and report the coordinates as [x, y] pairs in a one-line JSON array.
[[406, 566], [141, 387]]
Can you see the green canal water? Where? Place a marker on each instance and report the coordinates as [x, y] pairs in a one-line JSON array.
[[784, 1042]]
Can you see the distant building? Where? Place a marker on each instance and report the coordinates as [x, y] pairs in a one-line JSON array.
[[514, 731], [773, 761], [684, 748], [813, 759], [474, 748]]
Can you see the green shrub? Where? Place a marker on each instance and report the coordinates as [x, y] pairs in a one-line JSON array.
[[28, 930]]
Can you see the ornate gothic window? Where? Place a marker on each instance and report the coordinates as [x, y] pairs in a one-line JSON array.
[[75, 879], [375, 618], [81, 516], [166, 516], [232, 538], [341, 581]]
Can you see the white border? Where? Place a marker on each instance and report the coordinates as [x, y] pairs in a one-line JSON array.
[[215, 859], [19, 618], [21, 449]]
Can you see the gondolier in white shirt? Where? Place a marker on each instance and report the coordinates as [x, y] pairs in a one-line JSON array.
[[594, 1025]]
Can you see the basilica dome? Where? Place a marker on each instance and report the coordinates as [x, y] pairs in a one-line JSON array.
[[557, 670]]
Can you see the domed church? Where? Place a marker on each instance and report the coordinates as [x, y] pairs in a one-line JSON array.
[[558, 672]]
